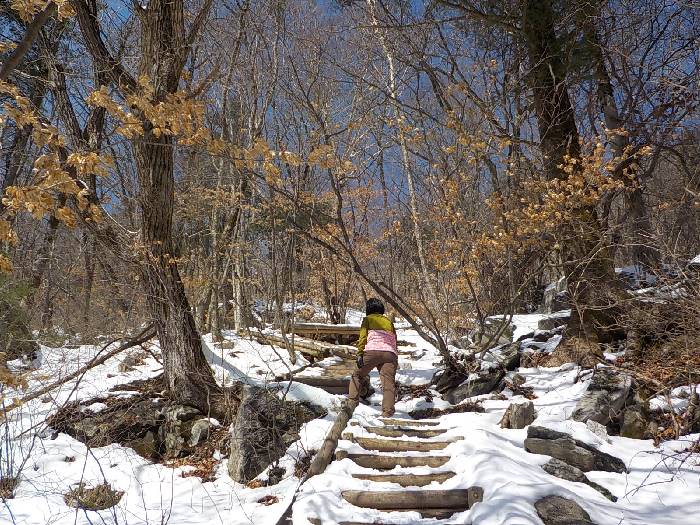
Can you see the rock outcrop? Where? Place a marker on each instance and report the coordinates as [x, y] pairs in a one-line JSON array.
[[456, 386], [562, 446], [264, 427], [608, 394], [563, 470], [612, 400]]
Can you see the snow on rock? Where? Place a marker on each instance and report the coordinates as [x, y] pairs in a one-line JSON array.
[[679, 399]]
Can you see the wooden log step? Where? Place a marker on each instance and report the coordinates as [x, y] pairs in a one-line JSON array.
[[408, 480], [440, 514], [397, 431], [323, 381], [408, 422], [335, 390], [398, 445], [332, 385], [408, 499], [389, 462]]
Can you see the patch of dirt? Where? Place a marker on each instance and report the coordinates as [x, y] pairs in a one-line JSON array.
[[101, 497], [526, 391], [302, 465], [574, 350], [404, 392], [7, 487], [269, 500], [202, 458]]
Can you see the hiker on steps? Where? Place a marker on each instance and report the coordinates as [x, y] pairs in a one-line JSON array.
[[376, 348]]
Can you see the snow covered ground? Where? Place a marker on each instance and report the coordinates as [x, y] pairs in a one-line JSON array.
[[662, 486]]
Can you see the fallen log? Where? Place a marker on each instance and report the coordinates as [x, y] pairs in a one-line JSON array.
[[316, 349], [409, 422], [325, 329], [325, 453]]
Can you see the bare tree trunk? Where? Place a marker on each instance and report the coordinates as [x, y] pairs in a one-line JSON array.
[[637, 216], [587, 264], [413, 201], [187, 373]]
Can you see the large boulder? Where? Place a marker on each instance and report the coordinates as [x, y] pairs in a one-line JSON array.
[[563, 470], [264, 428], [636, 425], [562, 446], [555, 510], [508, 356], [518, 415], [456, 386], [607, 397], [475, 385]]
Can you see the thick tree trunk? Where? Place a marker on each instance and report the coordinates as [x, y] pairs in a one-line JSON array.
[[187, 373], [587, 264]]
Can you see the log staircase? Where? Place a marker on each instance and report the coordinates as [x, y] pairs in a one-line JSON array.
[[388, 445]]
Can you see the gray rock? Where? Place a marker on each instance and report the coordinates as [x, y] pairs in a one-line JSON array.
[[562, 446], [518, 380], [181, 413], [555, 510], [509, 356], [599, 430], [562, 470], [145, 446], [485, 383], [608, 393], [199, 432], [264, 427], [176, 432], [518, 415], [553, 321], [634, 424], [555, 297]]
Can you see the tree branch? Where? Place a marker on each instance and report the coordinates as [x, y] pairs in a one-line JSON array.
[[26, 43]]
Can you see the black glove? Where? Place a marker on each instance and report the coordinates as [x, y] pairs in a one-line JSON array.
[[360, 361]]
